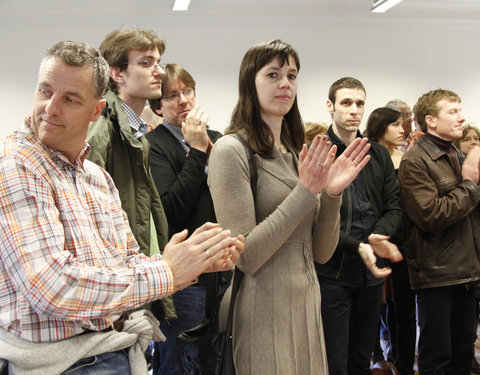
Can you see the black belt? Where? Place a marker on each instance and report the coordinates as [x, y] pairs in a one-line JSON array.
[[117, 325]]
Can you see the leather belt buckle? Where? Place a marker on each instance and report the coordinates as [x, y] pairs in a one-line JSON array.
[[118, 324]]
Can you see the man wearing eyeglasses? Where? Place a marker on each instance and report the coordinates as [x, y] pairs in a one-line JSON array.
[[117, 138], [179, 150]]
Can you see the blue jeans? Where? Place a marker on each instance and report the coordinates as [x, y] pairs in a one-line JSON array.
[[190, 308], [114, 363]]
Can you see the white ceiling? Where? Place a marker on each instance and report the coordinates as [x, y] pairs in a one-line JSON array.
[[459, 10]]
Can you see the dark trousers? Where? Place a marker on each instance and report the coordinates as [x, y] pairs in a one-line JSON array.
[[350, 322], [446, 317], [405, 312]]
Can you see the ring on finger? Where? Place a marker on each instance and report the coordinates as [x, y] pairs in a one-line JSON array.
[[355, 162], [321, 164], [207, 253]]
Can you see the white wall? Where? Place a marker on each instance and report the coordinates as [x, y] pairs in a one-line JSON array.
[[393, 58]]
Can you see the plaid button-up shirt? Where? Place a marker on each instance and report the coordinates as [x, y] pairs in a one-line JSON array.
[[68, 260], [139, 127]]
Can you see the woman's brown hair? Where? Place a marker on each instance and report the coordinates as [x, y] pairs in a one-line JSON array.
[[246, 116]]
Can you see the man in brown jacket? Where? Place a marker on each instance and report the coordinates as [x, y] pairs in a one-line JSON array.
[[440, 193]]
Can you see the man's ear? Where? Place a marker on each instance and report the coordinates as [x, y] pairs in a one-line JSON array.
[[330, 106], [116, 74], [158, 111], [98, 110], [430, 121]]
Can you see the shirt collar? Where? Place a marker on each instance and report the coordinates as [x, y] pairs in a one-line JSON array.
[[442, 144], [177, 133], [55, 154], [136, 123], [175, 130]]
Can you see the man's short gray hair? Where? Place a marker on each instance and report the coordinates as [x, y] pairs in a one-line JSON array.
[[396, 103], [82, 54]]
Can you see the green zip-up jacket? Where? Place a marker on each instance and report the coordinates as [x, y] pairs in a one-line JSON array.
[[115, 148]]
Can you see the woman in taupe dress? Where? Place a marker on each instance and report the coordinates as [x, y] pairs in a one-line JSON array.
[[293, 220]]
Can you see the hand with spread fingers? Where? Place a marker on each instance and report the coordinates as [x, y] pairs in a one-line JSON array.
[[194, 130], [315, 162], [347, 166], [208, 249]]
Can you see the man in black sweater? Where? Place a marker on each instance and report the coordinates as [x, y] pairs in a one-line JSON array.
[[179, 150]]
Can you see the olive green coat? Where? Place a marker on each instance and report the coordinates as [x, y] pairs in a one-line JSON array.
[[115, 148]]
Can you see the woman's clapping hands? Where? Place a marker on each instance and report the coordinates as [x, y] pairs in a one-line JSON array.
[[319, 170]]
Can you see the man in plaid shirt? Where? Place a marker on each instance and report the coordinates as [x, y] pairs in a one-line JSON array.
[[69, 264]]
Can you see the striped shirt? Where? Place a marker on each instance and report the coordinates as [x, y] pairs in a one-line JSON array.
[[68, 259]]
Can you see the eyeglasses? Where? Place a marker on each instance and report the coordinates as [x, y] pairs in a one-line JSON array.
[[149, 64], [187, 93], [407, 116]]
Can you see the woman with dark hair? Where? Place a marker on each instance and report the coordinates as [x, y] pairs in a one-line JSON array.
[[385, 126], [292, 220]]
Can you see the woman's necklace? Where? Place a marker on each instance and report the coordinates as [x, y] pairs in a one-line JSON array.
[[282, 148]]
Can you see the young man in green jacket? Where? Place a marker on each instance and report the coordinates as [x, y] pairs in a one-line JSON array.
[[117, 138]]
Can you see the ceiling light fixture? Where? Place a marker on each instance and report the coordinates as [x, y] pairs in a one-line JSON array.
[[381, 6], [181, 5]]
